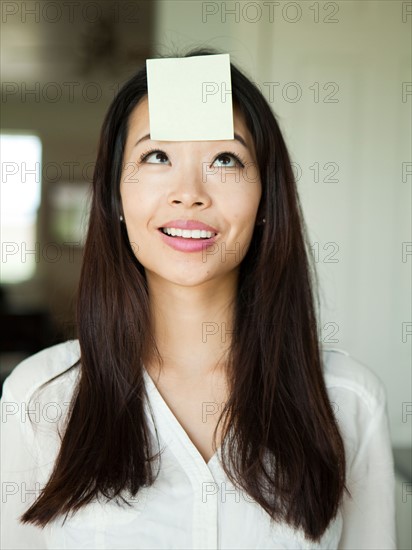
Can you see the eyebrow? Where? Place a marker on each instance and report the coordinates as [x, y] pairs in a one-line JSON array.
[[237, 137]]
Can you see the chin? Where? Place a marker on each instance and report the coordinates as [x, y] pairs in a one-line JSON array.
[[186, 276]]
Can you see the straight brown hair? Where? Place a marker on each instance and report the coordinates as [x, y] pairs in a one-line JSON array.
[[281, 441]]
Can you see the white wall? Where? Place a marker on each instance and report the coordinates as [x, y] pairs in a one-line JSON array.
[[366, 134]]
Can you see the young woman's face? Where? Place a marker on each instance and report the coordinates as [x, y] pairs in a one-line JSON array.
[[188, 180]]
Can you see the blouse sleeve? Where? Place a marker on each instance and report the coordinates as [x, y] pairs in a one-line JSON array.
[[369, 517], [19, 479]]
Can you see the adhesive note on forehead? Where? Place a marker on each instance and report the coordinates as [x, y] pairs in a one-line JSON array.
[[190, 99]]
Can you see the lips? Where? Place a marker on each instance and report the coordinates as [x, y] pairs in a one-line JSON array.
[[189, 224], [188, 245]]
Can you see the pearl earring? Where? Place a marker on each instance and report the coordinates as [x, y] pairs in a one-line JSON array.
[[263, 221], [121, 218]]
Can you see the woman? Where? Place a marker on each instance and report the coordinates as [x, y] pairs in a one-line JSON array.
[[196, 409]]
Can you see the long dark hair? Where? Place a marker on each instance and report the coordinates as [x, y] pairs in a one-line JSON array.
[[285, 449]]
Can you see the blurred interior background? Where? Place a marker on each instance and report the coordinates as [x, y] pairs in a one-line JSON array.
[[338, 77]]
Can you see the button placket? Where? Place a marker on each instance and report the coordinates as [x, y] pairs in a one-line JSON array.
[[205, 510]]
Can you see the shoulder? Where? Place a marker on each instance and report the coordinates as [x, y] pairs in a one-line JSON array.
[[34, 406], [345, 373], [40, 368], [358, 398]]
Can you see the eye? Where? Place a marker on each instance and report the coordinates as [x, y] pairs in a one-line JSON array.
[[224, 155], [150, 153], [227, 155]]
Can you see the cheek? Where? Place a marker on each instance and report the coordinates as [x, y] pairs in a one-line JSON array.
[[250, 175], [139, 200], [243, 209], [130, 176], [243, 202]]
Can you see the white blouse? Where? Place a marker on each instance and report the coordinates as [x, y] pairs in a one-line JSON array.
[[192, 504]]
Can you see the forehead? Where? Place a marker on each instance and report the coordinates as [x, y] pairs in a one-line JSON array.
[[139, 123]]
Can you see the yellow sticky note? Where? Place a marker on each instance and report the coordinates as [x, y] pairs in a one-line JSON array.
[[190, 99]]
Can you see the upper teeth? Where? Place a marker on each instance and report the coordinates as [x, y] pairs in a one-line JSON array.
[[187, 233]]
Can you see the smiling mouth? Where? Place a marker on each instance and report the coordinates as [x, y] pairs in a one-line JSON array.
[[195, 234]]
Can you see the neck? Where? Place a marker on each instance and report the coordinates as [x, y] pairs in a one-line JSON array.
[[192, 325]]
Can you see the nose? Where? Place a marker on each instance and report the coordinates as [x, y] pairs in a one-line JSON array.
[[187, 186]]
